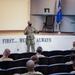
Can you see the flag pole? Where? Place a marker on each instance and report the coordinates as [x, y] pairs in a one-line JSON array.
[[59, 32]]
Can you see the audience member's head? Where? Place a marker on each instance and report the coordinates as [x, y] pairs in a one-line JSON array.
[[73, 43], [72, 57], [73, 48], [31, 68], [35, 59], [39, 52], [30, 65], [6, 53]]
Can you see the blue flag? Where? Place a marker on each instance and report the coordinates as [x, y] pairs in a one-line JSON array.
[[59, 13]]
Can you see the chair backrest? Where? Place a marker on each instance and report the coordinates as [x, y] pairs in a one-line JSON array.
[[62, 73], [70, 67], [67, 52], [27, 54], [56, 59], [14, 70], [46, 53], [43, 61], [3, 72], [0, 55], [50, 20], [56, 68], [21, 62], [6, 64], [66, 58], [56, 52], [15, 56], [42, 68]]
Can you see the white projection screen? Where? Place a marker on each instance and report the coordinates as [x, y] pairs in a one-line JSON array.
[[14, 14]]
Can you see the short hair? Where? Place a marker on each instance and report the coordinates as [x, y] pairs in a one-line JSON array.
[[34, 57], [72, 57], [7, 52], [30, 65], [39, 49], [73, 43]]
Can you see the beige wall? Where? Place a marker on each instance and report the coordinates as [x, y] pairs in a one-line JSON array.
[[14, 14]]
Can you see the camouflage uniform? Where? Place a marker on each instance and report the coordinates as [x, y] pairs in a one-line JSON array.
[[29, 31], [32, 73]]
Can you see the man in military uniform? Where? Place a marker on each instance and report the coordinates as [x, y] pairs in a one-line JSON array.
[[30, 67], [29, 32]]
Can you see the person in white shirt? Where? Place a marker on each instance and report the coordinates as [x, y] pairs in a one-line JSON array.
[[73, 48]]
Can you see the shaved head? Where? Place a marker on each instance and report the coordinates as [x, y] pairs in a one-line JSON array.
[[30, 65], [6, 52]]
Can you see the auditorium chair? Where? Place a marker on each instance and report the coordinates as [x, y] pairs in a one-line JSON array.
[[49, 23], [27, 54], [3, 72], [46, 53], [6, 64], [0, 55], [70, 67], [66, 58], [19, 70], [42, 68], [63, 73], [43, 61], [56, 52], [15, 56], [21, 62], [56, 59], [57, 68], [67, 52]]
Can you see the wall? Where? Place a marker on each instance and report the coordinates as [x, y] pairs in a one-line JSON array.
[[37, 6], [68, 21], [68, 7], [14, 14]]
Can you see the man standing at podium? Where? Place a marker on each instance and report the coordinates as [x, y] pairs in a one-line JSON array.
[[29, 32]]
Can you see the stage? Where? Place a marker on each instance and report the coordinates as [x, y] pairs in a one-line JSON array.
[[48, 41]]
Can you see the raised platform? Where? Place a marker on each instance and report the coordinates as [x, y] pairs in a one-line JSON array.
[[48, 42]]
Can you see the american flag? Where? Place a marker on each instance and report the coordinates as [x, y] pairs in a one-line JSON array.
[[59, 13]]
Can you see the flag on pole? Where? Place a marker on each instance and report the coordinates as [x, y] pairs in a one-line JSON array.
[[59, 13]]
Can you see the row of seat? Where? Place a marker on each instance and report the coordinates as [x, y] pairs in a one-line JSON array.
[[42, 61], [45, 69], [46, 53], [54, 59], [57, 52]]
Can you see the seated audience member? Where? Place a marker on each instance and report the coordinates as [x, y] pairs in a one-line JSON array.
[[35, 59], [31, 68], [73, 48], [5, 55], [39, 51], [73, 72], [72, 58]]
